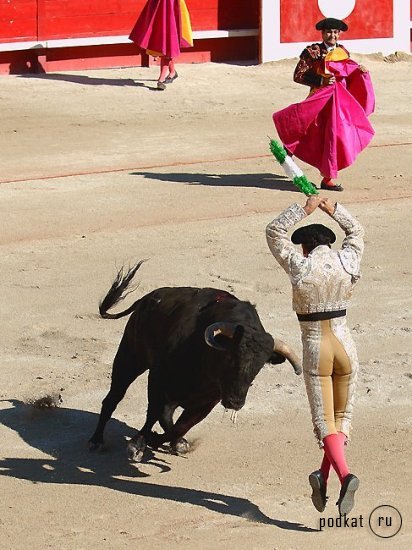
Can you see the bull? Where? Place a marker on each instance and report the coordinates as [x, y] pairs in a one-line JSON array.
[[201, 346]]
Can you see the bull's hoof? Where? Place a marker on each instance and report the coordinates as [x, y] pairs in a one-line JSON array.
[[180, 446], [136, 448]]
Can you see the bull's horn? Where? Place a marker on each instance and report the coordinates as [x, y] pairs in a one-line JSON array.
[[284, 349], [227, 329]]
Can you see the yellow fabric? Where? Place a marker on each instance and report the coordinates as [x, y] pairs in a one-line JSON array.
[[153, 53], [338, 54], [186, 24]]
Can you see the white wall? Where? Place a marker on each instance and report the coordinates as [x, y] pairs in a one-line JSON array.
[[271, 49]]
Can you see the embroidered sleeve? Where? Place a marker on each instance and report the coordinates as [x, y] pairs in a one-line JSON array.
[[280, 244], [353, 244], [305, 72]]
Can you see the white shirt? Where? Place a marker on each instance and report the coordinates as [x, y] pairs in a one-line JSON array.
[[329, 48]]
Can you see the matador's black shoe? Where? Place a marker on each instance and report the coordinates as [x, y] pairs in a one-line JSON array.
[[318, 485], [335, 187], [346, 499], [170, 79], [328, 185]]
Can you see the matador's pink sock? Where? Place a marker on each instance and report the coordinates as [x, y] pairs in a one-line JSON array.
[[325, 467], [333, 446], [172, 70], [164, 68], [342, 438]]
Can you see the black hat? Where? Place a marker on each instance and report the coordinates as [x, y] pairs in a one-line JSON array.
[[310, 232], [331, 23]]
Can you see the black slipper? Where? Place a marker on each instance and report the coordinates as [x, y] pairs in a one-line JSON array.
[[169, 79], [318, 485], [347, 494], [335, 187]]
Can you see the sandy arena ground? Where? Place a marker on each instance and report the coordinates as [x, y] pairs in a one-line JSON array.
[[99, 169]]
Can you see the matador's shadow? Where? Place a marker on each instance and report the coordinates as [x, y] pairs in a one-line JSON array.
[[90, 80], [63, 434], [261, 181]]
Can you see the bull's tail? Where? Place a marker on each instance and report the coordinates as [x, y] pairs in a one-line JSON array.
[[115, 294]]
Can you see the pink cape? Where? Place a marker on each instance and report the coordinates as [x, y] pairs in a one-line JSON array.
[[330, 128], [159, 28]]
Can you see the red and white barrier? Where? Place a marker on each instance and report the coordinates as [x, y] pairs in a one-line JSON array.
[[287, 26], [47, 35], [50, 35]]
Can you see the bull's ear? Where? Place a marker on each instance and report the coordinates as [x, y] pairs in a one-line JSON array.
[[276, 358], [223, 336]]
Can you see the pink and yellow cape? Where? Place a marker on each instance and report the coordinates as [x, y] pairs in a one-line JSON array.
[[330, 127], [163, 28]]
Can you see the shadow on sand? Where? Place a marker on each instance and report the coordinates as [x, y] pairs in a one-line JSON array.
[[95, 81], [63, 433], [261, 181]]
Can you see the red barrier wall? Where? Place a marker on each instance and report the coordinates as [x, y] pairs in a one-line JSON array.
[[31, 20], [18, 20], [81, 18]]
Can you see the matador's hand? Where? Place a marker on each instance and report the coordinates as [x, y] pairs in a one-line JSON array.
[[328, 80], [363, 69], [311, 204], [327, 206]]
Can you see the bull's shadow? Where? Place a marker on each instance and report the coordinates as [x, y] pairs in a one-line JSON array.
[[63, 433], [261, 181]]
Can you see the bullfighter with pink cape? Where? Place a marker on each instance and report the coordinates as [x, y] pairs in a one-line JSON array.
[[162, 29], [330, 127]]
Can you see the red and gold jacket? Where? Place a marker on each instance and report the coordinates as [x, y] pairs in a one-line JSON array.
[[311, 66]]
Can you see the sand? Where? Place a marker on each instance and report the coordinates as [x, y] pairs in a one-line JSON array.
[[99, 170]]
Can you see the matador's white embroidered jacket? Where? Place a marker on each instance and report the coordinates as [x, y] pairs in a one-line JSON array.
[[324, 280]]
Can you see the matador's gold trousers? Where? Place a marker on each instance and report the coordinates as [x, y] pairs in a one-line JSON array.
[[330, 367]]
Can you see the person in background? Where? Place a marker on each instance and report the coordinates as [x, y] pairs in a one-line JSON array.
[[310, 129], [162, 29], [322, 282]]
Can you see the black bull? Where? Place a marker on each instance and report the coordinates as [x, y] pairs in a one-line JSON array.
[[201, 346]]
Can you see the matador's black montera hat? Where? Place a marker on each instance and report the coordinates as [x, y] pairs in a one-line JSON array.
[[312, 232], [331, 23]]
